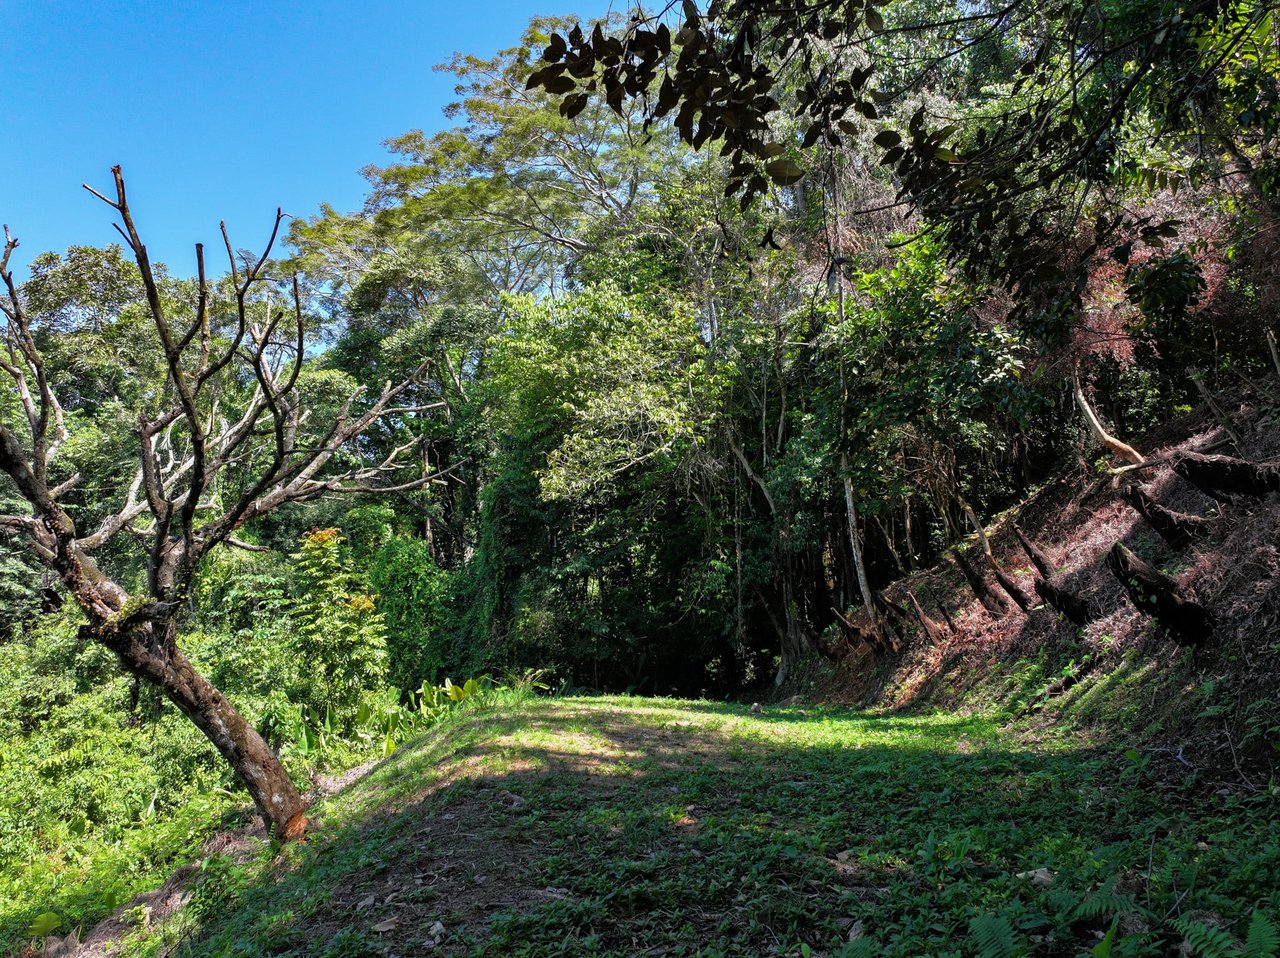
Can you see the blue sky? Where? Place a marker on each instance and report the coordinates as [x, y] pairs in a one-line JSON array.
[[219, 110]]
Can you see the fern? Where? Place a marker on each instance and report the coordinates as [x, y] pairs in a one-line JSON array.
[[995, 937], [1207, 941], [1263, 940], [1103, 904]]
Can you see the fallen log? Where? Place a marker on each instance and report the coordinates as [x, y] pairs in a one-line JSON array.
[[1221, 477], [1039, 558], [1075, 609], [1179, 529], [1157, 595], [1011, 587]]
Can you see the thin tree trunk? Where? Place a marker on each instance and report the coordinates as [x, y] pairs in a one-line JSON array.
[[946, 616], [990, 601], [855, 544], [1006, 583], [1223, 419], [1114, 445], [933, 632], [1039, 558]]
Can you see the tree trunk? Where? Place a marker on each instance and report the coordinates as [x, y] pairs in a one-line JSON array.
[[1155, 594], [150, 652], [855, 543], [1011, 587], [1176, 528], [1039, 558], [990, 601], [1006, 583], [1222, 476], [1110, 442], [933, 632], [1078, 611], [946, 616]]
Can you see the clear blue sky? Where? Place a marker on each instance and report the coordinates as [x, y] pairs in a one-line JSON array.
[[219, 110]]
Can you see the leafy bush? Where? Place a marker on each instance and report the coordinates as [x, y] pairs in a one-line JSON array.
[[339, 636]]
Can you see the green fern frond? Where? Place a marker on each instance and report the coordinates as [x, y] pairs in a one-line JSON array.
[[996, 937], [1207, 941], [1263, 940]]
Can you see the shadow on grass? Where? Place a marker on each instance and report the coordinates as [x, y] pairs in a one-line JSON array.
[[619, 827]]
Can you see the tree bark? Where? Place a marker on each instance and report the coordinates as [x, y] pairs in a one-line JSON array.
[[149, 651], [1158, 596], [1077, 610], [933, 632], [990, 601], [1006, 583], [1176, 528], [1112, 444], [855, 543], [946, 616], [1220, 477], [1039, 558]]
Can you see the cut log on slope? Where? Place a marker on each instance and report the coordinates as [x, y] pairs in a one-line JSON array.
[[1157, 595], [990, 601], [1223, 476], [1039, 558], [855, 633], [1113, 445], [946, 616], [1076, 609], [1006, 583], [932, 630], [1176, 528]]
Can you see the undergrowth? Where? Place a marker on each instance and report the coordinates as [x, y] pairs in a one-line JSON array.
[[622, 826]]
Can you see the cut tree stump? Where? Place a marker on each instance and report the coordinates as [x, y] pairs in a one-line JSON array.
[[946, 616], [1179, 529], [1011, 587], [1039, 558], [990, 601], [1157, 595], [1075, 609], [1223, 476], [932, 630]]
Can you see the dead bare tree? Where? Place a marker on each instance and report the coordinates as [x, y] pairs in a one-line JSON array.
[[230, 408]]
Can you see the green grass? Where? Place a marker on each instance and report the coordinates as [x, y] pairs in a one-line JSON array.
[[627, 826]]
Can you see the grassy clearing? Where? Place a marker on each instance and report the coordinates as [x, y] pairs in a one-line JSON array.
[[625, 826]]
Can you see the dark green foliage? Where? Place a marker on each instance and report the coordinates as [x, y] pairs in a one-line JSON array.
[[413, 596]]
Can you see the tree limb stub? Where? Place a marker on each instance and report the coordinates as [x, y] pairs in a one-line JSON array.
[[1039, 558], [1077, 610]]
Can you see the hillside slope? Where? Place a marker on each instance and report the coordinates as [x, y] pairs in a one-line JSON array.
[[1120, 674], [624, 826]]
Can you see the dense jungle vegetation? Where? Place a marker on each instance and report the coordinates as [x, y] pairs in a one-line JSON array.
[[697, 331]]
